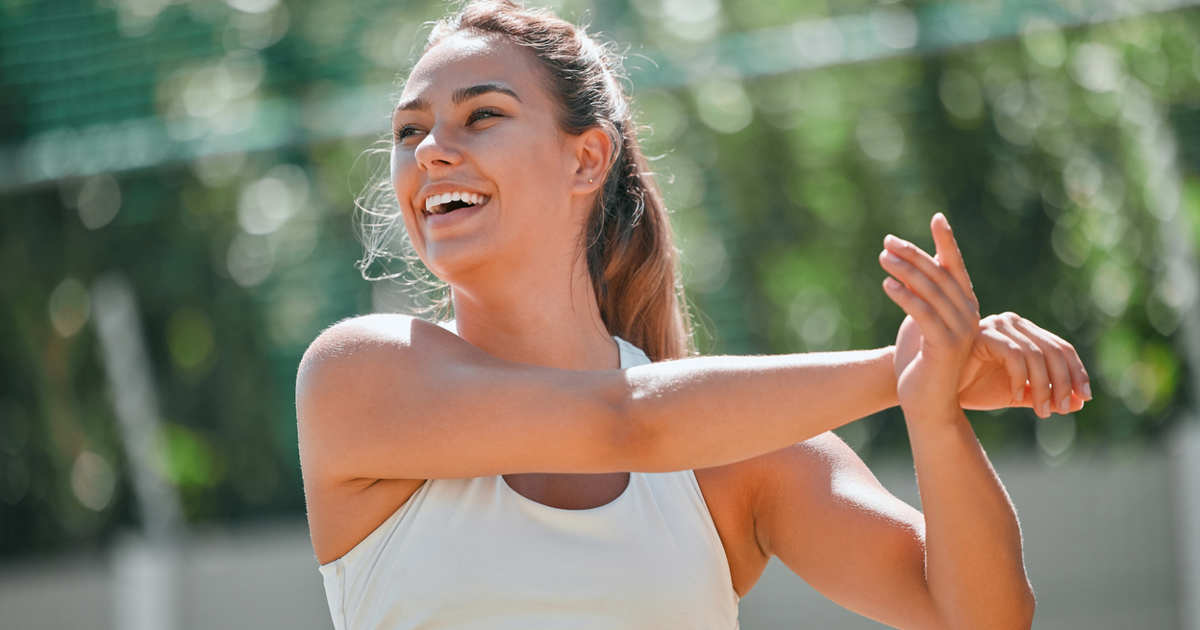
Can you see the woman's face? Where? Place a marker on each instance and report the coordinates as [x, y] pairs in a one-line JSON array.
[[475, 117]]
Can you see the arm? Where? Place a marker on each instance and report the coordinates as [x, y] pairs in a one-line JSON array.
[[709, 411], [973, 560], [390, 396], [973, 557], [821, 511], [824, 514]]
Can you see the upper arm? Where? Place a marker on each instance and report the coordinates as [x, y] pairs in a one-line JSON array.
[[388, 396], [825, 515]]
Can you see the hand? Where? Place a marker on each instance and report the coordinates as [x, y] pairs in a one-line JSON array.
[[1009, 350], [937, 294], [1013, 362], [1012, 349]]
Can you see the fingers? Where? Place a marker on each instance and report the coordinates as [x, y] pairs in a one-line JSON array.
[[932, 326], [923, 287], [1035, 361], [1067, 373], [1014, 362], [949, 256], [929, 280], [1080, 381]]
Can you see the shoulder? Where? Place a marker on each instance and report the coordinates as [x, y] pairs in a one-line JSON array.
[[353, 336], [354, 351], [349, 332], [743, 498], [804, 470], [358, 367], [804, 474], [819, 458], [821, 489]]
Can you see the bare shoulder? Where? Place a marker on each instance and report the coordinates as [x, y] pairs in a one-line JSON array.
[[345, 368], [806, 472], [738, 494], [346, 336], [346, 355], [825, 515], [341, 512]]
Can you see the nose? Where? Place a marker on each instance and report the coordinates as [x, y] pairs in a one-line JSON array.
[[435, 150]]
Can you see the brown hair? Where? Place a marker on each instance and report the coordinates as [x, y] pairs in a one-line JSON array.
[[631, 257]]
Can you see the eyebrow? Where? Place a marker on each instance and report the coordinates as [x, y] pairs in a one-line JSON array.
[[458, 96]]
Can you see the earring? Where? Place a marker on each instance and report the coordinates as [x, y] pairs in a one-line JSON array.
[[589, 180]]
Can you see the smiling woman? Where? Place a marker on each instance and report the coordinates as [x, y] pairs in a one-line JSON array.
[[556, 456], [570, 89]]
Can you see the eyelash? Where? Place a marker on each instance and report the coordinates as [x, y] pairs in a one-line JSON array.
[[399, 135]]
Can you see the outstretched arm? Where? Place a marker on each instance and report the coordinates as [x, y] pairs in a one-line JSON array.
[[709, 411], [387, 396], [392, 397]]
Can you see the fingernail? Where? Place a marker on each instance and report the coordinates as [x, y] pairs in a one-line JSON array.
[[1064, 405], [1021, 395], [1087, 390], [1046, 408]]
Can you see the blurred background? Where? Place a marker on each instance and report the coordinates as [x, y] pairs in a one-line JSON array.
[[177, 183]]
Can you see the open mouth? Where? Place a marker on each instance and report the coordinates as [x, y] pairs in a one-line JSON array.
[[450, 207]]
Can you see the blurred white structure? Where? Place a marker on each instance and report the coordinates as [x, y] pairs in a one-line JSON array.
[[144, 567]]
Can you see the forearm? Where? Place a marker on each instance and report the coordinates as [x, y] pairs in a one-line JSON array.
[[708, 411], [973, 558]]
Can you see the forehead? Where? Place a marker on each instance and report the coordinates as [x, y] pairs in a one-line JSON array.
[[463, 59]]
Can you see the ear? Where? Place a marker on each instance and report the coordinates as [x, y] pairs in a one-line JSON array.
[[592, 150]]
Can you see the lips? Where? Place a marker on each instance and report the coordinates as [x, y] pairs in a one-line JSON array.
[[442, 193], [451, 201], [437, 221]]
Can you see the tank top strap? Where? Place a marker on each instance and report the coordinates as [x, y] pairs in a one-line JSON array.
[[631, 355]]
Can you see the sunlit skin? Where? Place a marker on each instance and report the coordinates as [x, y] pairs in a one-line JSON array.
[[519, 279]]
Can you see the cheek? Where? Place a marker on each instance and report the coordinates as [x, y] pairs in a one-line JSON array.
[[404, 182], [531, 171], [398, 165], [403, 177]]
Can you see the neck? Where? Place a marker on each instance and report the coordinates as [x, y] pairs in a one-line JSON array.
[[547, 319]]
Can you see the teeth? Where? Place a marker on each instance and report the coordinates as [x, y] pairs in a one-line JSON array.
[[433, 201]]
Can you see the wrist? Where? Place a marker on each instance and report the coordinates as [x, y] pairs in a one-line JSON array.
[[932, 413]]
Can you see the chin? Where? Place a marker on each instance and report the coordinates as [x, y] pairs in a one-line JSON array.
[[454, 263]]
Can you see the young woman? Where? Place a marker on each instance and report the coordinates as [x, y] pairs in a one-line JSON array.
[[556, 457]]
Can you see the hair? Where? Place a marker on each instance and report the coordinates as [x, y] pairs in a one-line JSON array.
[[631, 257]]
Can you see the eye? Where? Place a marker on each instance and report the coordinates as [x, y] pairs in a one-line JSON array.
[[475, 115], [479, 114]]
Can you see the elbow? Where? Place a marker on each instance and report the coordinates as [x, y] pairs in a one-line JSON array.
[[1015, 614], [1023, 609], [1027, 610]]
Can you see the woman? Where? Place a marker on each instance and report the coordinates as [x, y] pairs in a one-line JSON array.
[[554, 457]]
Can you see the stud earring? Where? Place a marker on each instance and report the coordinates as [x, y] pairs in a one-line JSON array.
[[589, 180]]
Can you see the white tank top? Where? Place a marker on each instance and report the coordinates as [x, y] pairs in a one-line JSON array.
[[473, 553]]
